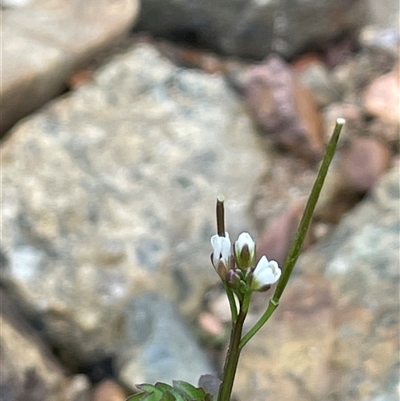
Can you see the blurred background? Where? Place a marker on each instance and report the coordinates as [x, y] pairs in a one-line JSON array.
[[122, 120]]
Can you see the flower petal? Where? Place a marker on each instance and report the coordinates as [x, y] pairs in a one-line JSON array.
[[225, 248], [244, 239], [245, 250], [221, 249], [265, 273]]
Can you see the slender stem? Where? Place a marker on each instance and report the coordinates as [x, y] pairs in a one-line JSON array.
[[301, 233], [232, 358], [267, 314], [232, 303]]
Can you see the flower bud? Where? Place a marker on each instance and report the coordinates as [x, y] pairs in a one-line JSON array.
[[245, 251], [265, 274], [233, 279], [221, 255]]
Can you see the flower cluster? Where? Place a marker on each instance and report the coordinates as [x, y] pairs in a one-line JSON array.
[[238, 268]]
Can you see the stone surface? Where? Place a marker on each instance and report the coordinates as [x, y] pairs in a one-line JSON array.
[[363, 163], [335, 334], [382, 97], [44, 42], [110, 192], [108, 390], [387, 16], [276, 240], [158, 346], [357, 71], [28, 370], [385, 39], [14, 3], [284, 109], [314, 74], [249, 28]]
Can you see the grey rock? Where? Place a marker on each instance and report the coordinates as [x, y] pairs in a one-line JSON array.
[[387, 16], [14, 3], [28, 370], [110, 192], [377, 39], [249, 28], [321, 83], [43, 43], [157, 345], [284, 109], [335, 333]]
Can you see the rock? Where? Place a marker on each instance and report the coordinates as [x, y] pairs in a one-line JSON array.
[[338, 51], [357, 166], [157, 345], [358, 70], [385, 131], [284, 181], [14, 3], [354, 117], [315, 76], [110, 192], [108, 390], [363, 164], [287, 360], [78, 389], [210, 324], [28, 370], [387, 16], [335, 333], [276, 240], [285, 109], [382, 97], [44, 42], [381, 39], [252, 29], [336, 198]]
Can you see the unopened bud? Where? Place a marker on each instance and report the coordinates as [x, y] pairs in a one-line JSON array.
[[233, 279], [245, 251]]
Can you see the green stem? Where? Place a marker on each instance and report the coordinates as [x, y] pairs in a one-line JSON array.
[[232, 358], [232, 302], [301, 233]]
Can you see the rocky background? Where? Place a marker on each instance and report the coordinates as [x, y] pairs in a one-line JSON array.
[[122, 121]]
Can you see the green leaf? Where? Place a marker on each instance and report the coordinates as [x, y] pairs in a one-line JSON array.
[[168, 397], [150, 392], [186, 389], [180, 391], [145, 397], [166, 388], [136, 397], [147, 388]]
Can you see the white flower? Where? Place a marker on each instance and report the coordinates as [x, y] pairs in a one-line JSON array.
[[221, 250], [265, 274], [245, 250]]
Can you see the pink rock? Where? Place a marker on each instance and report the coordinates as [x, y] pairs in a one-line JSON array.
[[382, 97], [284, 108], [364, 162], [276, 240], [108, 390], [211, 324]]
